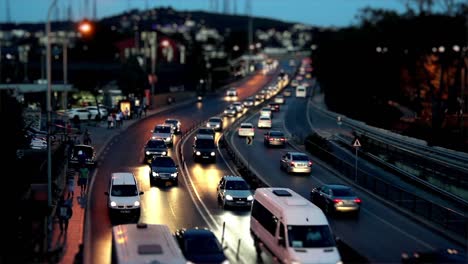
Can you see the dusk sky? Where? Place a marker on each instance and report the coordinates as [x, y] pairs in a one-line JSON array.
[[311, 12]]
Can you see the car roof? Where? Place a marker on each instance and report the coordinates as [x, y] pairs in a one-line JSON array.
[[233, 178], [337, 186], [296, 153], [123, 178]]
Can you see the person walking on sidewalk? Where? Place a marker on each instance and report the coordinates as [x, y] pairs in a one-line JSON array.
[[71, 185], [86, 137], [83, 179], [65, 212]]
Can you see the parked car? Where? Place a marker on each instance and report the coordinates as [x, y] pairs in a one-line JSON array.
[[334, 198], [296, 162], [200, 245], [94, 111], [234, 191], [79, 113], [216, 123], [274, 138], [246, 130], [86, 151], [175, 123], [164, 132], [163, 168], [154, 148]]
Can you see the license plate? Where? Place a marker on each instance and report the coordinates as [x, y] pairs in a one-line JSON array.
[[125, 211], [240, 202]]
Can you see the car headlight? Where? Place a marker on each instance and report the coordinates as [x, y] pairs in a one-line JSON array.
[[249, 198], [174, 174], [208, 125], [168, 138], [155, 174], [229, 197], [147, 152], [113, 204], [225, 262], [136, 203], [197, 153], [153, 137], [164, 153], [225, 111], [217, 125], [339, 262], [212, 153]]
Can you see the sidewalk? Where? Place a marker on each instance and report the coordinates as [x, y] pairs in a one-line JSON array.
[[69, 241]]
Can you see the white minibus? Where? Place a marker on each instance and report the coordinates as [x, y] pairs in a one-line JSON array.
[[291, 228], [301, 91], [145, 243]]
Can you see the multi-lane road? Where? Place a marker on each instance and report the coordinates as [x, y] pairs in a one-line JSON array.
[[380, 233]]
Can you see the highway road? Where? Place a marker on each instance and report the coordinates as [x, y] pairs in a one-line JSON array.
[[380, 233]]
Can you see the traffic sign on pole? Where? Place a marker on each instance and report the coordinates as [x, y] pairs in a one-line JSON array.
[[356, 143], [249, 140]]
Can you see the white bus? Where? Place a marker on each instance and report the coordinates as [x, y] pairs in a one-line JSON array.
[[291, 228], [301, 91], [145, 243]]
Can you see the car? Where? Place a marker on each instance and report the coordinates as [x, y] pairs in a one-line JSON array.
[[259, 97], [234, 191], [296, 162], [274, 138], [231, 94], [164, 132], [94, 111], [279, 99], [204, 149], [154, 148], [246, 130], [250, 101], [89, 158], [123, 196], [163, 168], [215, 122], [266, 111], [239, 107], [175, 123], [79, 113], [334, 198], [275, 107], [205, 132], [200, 245], [287, 92], [230, 111], [439, 255], [264, 122]]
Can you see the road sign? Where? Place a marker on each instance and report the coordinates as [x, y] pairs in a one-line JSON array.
[[249, 140], [356, 143]]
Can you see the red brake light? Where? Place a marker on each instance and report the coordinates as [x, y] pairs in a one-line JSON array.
[[271, 139], [292, 164], [357, 200], [310, 163], [282, 139], [337, 200]]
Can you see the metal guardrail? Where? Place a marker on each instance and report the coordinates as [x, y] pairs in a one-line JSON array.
[[444, 218]]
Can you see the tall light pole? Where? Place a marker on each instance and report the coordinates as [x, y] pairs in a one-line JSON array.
[[49, 119]]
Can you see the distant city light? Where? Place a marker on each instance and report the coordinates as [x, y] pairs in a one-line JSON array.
[[456, 48], [441, 49]]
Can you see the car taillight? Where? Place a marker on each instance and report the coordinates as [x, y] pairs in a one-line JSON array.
[[337, 200], [357, 200], [292, 164], [271, 139], [282, 139], [310, 163]]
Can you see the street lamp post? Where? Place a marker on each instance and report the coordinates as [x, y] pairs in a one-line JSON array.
[[49, 110]]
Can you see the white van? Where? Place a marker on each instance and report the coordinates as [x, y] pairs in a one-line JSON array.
[[145, 243], [123, 196], [301, 91], [291, 228]]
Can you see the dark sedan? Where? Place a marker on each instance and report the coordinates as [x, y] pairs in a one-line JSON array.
[[334, 198], [84, 154], [164, 169], [200, 245], [155, 148], [204, 149], [274, 138]]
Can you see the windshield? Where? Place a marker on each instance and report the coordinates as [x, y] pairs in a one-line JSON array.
[[204, 143], [300, 157], [163, 162], [276, 134], [202, 245], [264, 118], [310, 236], [236, 185], [214, 120], [342, 192], [246, 126], [156, 144], [162, 129], [124, 190]]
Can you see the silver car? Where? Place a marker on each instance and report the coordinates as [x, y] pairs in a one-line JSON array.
[[296, 162], [165, 132], [215, 123], [234, 191], [335, 198]]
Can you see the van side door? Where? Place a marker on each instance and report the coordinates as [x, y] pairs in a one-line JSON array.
[[282, 244]]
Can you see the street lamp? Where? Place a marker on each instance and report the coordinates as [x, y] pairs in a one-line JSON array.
[[49, 110]]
